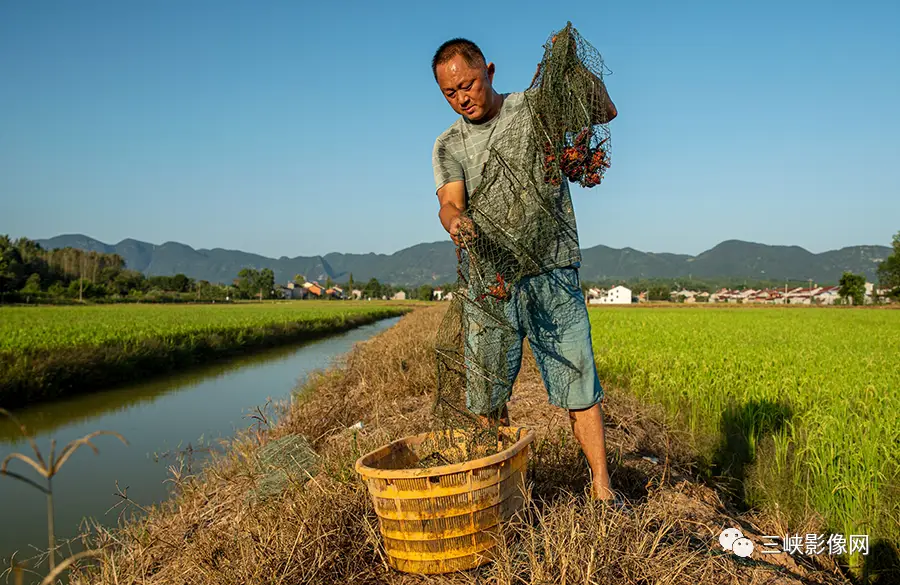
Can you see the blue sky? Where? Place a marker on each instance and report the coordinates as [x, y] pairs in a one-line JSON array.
[[292, 128]]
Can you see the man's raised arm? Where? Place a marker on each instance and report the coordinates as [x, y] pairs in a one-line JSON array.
[[604, 110]]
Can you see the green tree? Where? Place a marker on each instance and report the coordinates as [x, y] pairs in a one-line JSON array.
[[32, 285], [853, 286], [246, 283], [83, 289], [373, 289], [180, 283], [329, 283], [424, 293], [299, 279], [266, 283], [889, 269], [350, 285], [11, 267], [659, 293], [127, 281]]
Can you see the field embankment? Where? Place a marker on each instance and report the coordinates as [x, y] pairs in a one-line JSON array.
[[319, 527], [49, 352]]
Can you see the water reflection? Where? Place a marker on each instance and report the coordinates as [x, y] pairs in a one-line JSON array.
[[46, 417]]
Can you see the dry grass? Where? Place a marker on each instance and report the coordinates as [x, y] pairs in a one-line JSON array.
[[323, 530]]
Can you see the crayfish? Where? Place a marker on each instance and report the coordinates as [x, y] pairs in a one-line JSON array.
[[498, 290], [577, 161]]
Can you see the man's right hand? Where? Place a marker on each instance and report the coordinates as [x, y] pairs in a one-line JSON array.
[[462, 230]]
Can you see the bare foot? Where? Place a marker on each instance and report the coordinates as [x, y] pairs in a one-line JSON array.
[[600, 490]]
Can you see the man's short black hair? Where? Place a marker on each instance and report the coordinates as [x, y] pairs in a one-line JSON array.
[[469, 50]]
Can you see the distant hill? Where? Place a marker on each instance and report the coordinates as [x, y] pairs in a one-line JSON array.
[[436, 262]]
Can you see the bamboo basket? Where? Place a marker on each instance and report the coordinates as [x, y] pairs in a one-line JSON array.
[[445, 518]]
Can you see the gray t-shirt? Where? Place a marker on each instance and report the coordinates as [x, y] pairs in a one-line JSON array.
[[460, 154]]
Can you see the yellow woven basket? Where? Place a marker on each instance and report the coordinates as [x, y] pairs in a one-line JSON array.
[[446, 518]]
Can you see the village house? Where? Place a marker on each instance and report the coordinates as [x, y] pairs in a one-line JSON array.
[[356, 294], [296, 291], [718, 296], [801, 296], [437, 294], [618, 295], [399, 296], [683, 296], [827, 296], [314, 289]]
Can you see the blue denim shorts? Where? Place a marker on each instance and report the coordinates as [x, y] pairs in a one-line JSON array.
[[549, 310]]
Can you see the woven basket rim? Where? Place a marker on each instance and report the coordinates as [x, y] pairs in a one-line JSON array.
[[526, 436]]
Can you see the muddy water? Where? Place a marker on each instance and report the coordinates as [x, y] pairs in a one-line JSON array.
[[161, 420]]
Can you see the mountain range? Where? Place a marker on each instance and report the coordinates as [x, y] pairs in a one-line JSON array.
[[435, 262]]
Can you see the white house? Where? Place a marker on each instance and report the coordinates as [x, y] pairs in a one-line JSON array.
[[618, 295], [399, 296], [437, 294], [801, 296], [827, 295]]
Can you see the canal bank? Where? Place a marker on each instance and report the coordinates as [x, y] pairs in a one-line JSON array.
[[48, 353]]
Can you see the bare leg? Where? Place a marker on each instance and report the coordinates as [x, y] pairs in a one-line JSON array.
[[587, 425]]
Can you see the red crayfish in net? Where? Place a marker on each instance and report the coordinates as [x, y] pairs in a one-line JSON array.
[[578, 161], [499, 290]]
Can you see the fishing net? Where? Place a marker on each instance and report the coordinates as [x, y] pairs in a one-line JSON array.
[[516, 210], [282, 461]]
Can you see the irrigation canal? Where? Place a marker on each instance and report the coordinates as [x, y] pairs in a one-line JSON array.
[[159, 419]]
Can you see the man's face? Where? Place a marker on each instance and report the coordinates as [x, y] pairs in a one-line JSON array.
[[467, 89]]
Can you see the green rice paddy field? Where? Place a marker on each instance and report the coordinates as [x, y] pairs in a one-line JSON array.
[[803, 405], [51, 351]]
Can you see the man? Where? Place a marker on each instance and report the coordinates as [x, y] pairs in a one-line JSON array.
[[547, 308]]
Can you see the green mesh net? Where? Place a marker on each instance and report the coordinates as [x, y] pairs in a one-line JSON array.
[[509, 220], [288, 459]]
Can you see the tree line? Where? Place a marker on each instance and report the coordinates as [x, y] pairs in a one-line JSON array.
[[29, 273]]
